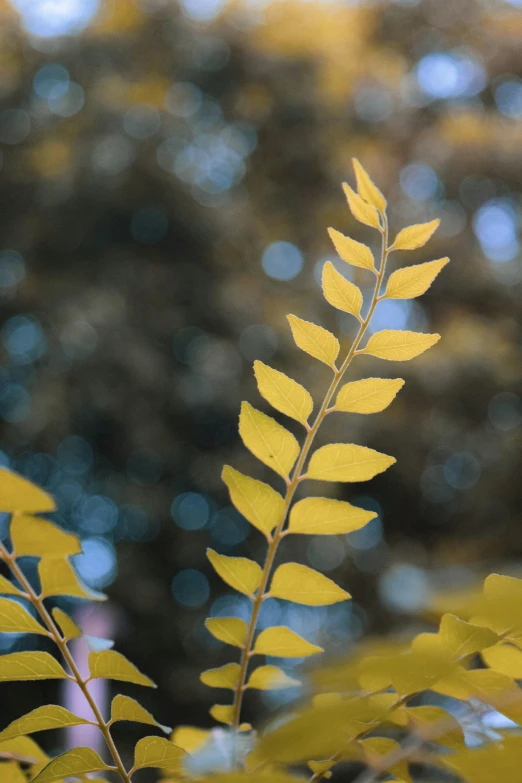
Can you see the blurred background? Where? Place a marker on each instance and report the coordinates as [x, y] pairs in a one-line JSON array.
[[167, 176]]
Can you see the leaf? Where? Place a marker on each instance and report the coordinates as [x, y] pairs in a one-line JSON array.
[[38, 537], [367, 189], [271, 443], [398, 346], [67, 626], [433, 724], [14, 618], [371, 395], [314, 340], [413, 280], [281, 642], [266, 678], [261, 505], [159, 753], [461, 638], [19, 494], [58, 577], [504, 658], [379, 752], [351, 251], [230, 630], [223, 713], [412, 237], [240, 573], [283, 393], [125, 708], [494, 761], [322, 516], [72, 763], [226, 676], [360, 209], [347, 462], [190, 738], [8, 588], [503, 596], [252, 777], [340, 293], [111, 665], [303, 585], [41, 719], [11, 773], [20, 666]]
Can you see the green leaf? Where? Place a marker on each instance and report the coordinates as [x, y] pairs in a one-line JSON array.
[[240, 573], [21, 666], [226, 676], [340, 293], [73, 763], [314, 340], [41, 719], [159, 753], [283, 393], [322, 516], [58, 577], [67, 626], [8, 588], [230, 630], [281, 642], [111, 665], [371, 395], [398, 346], [38, 537], [261, 505], [271, 443], [14, 618], [19, 494], [266, 678], [347, 462], [303, 585], [125, 708]]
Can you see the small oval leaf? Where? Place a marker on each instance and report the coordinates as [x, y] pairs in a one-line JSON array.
[[58, 577], [360, 209], [322, 516], [399, 346], [347, 462], [22, 666], [230, 630], [340, 293], [190, 738], [271, 443], [125, 708], [73, 763], [38, 537], [314, 340], [415, 280], [240, 573], [158, 753], [14, 618], [412, 237], [226, 676], [261, 505], [281, 642], [18, 494], [371, 395], [303, 585], [266, 678], [42, 719], [367, 189], [283, 393], [351, 251], [111, 665], [223, 713], [67, 626]]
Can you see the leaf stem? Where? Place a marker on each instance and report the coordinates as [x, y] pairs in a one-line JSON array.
[[297, 477], [37, 602]]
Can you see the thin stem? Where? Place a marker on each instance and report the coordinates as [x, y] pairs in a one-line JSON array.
[[37, 602], [297, 477]]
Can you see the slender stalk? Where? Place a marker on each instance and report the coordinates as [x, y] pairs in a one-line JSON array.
[[298, 476], [37, 602]]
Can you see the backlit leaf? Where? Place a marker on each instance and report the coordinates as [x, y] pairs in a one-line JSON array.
[[111, 665], [20, 666], [493, 762], [504, 658], [415, 280], [230, 630], [266, 678], [398, 346], [19, 494], [223, 713], [159, 753], [351, 251], [303, 585], [14, 618], [125, 708], [261, 505], [433, 724], [314, 340], [252, 777], [67, 626], [347, 462], [58, 577], [370, 395], [226, 676], [379, 751], [503, 596], [283, 393], [267, 440], [41, 719], [461, 638], [367, 189], [322, 516], [240, 573], [73, 763], [190, 738], [340, 293], [8, 588], [360, 209], [281, 642], [412, 237], [10, 772], [34, 536]]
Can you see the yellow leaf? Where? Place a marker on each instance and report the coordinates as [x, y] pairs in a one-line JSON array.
[[433, 724], [11, 773], [261, 505], [190, 738], [8, 588], [111, 665], [266, 678], [230, 630], [494, 762], [267, 440], [226, 676], [281, 642], [314, 340], [30, 666], [351, 251], [347, 462], [252, 777], [73, 763], [398, 346], [34, 536], [367, 189], [503, 596], [412, 237], [41, 719], [461, 638], [370, 395], [223, 713], [322, 516], [159, 753], [340, 293], [378, 752], [504, 658], [360, 209], [58, 577], [413, 280], [408, 672], [19, 494], [125, 708], [15, 619], [240, 573], [67, 626], [283, 393], [303, 585]]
